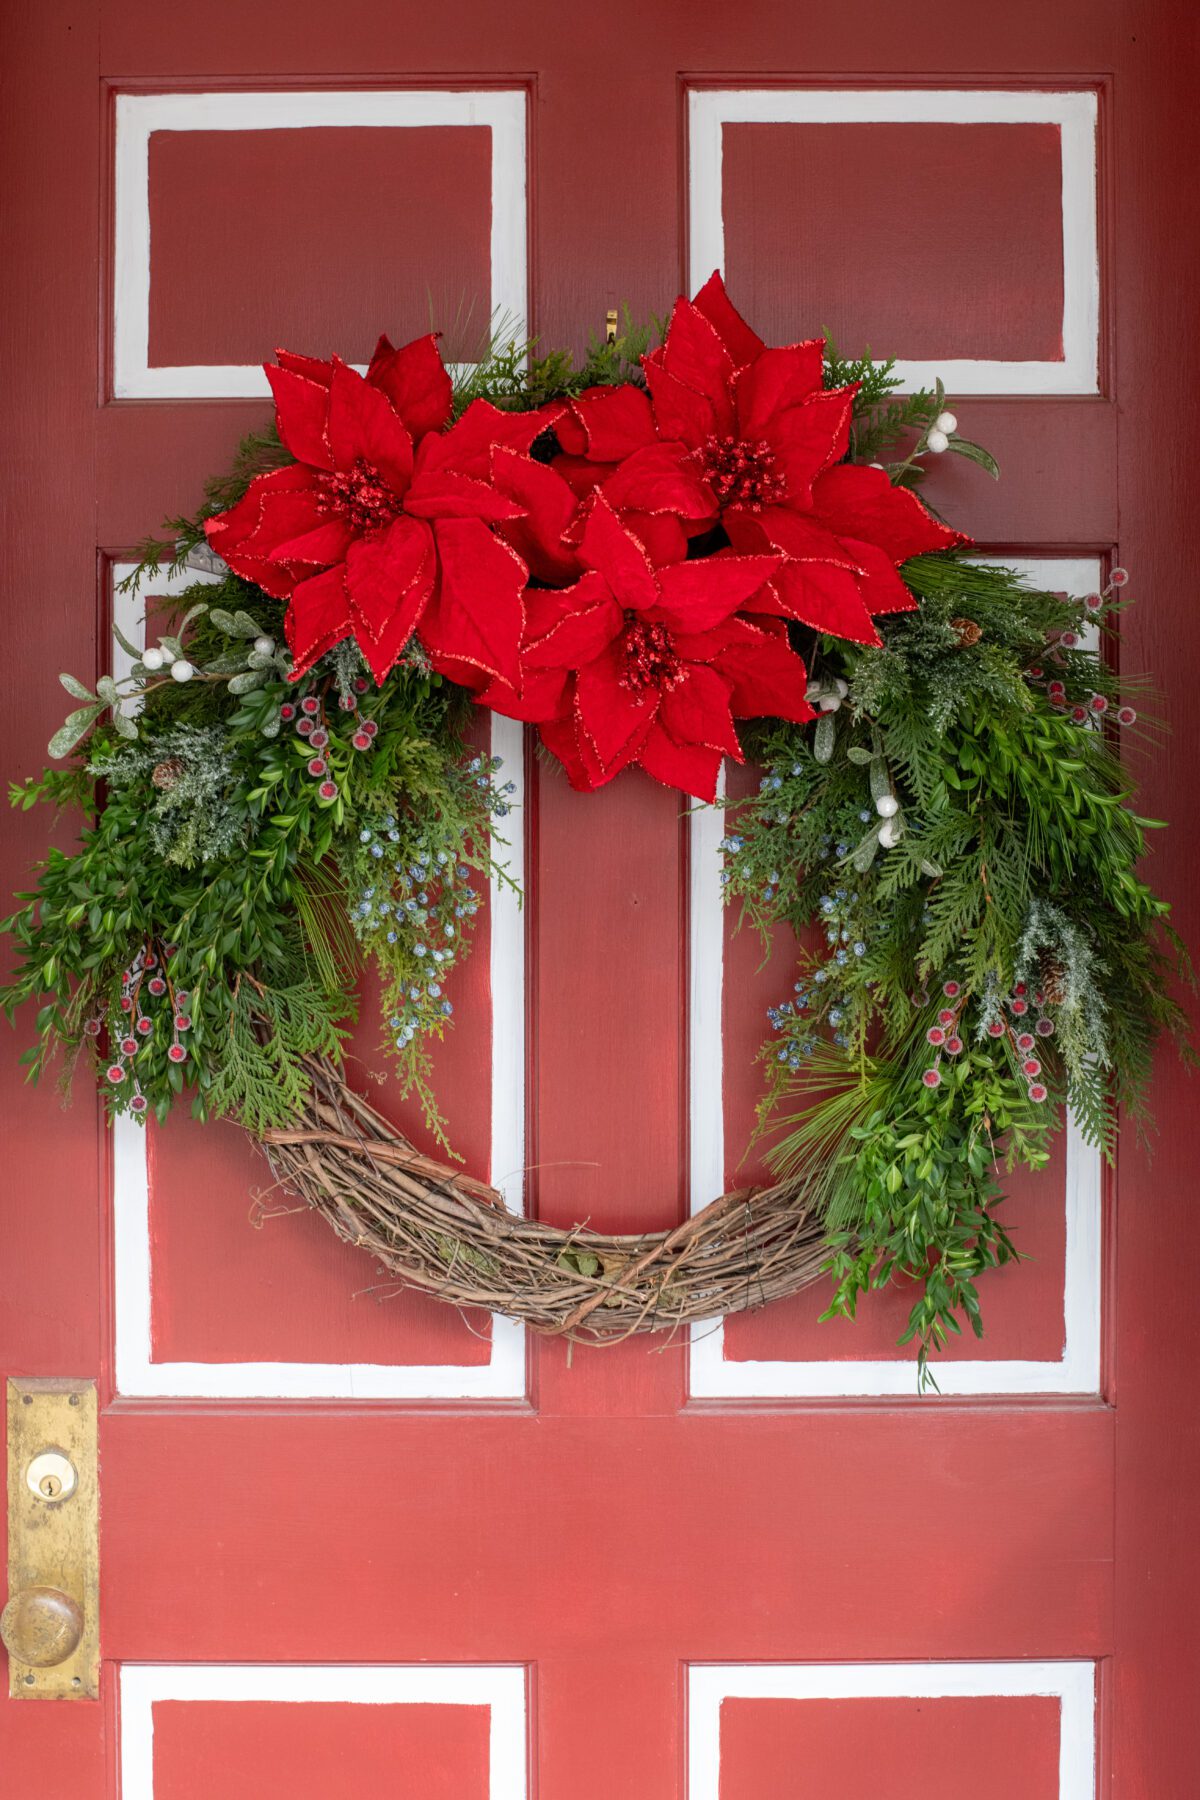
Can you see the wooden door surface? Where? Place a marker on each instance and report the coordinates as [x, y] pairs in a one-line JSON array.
[[351, 1542]]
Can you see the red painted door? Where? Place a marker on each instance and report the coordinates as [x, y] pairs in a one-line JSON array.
[[352, 1543]]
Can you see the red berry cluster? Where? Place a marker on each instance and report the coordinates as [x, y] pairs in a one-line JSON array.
[[133, 1025], [311, 723], [945, 1039], [944, 1035], [1091, 706], [1024, 1040]]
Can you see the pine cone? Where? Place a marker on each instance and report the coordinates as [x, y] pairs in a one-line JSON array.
[[166, 774], [1054, 981], [966, 631]]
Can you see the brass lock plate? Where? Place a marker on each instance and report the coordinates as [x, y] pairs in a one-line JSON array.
[[53, 1529]]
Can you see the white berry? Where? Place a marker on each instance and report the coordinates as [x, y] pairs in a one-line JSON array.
[[937, 441], [265, 646], [826, 695], [889, 833], [887, 806], [182, 670], [946, 422], [153, 657]]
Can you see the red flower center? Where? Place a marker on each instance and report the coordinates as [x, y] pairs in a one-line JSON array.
[[650, 657], [741, 474], [360, 495]]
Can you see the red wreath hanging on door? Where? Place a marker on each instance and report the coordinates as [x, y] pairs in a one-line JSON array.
[[676, 554]]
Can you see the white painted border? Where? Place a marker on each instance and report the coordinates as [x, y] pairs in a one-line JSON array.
[[502, 1377], [712, 1376], [500, 1689], [1072, 1683], [1074, 112], [138, 116]]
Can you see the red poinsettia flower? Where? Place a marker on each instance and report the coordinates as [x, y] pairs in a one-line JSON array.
[[384, 520], [638, 663], [765, 441]]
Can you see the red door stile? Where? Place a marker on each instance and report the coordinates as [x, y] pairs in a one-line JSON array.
[[702, 1596]]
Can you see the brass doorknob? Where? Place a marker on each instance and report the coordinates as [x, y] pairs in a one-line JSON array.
[[41, 1626]]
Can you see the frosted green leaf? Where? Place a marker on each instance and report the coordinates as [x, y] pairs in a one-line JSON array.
[[75, 726]]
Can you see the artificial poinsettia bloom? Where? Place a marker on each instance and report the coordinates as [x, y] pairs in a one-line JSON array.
[[385, 520], [766, 441], [649, 664]]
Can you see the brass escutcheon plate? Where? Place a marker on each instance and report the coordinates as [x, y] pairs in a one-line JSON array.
[[53, 1533]]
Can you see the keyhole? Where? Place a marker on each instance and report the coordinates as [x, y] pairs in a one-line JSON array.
[[51, 1476]]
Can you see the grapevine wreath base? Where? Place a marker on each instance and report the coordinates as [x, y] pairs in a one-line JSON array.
[[438, 1230], [684, 551]]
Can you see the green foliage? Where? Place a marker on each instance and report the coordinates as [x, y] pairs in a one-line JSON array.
[[259, 1078], [1003, 899], [197, 815], [512, 371], [229, 868]]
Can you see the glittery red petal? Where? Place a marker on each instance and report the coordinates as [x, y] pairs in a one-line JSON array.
[[477, 614], [661, 535], [567, 629], [301, 415], [619, 557], [697, 595], [364, 425], [741, 340], [690, 767], [696, 711], [767, 679], [679, 411], [381, 650], [581, 476], [614, 719], [324, 544], [467, 446], [414, 379], [560, 737], [446, 494], [388, 570], [809, 438], [662, 478], [547, 508], [541, 696], [797, 534], [694, 354], [318, 618], [881, 587], [775, 379], [858, 502], [824, 597], [275, 507], [607, 423], [313, 368]]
